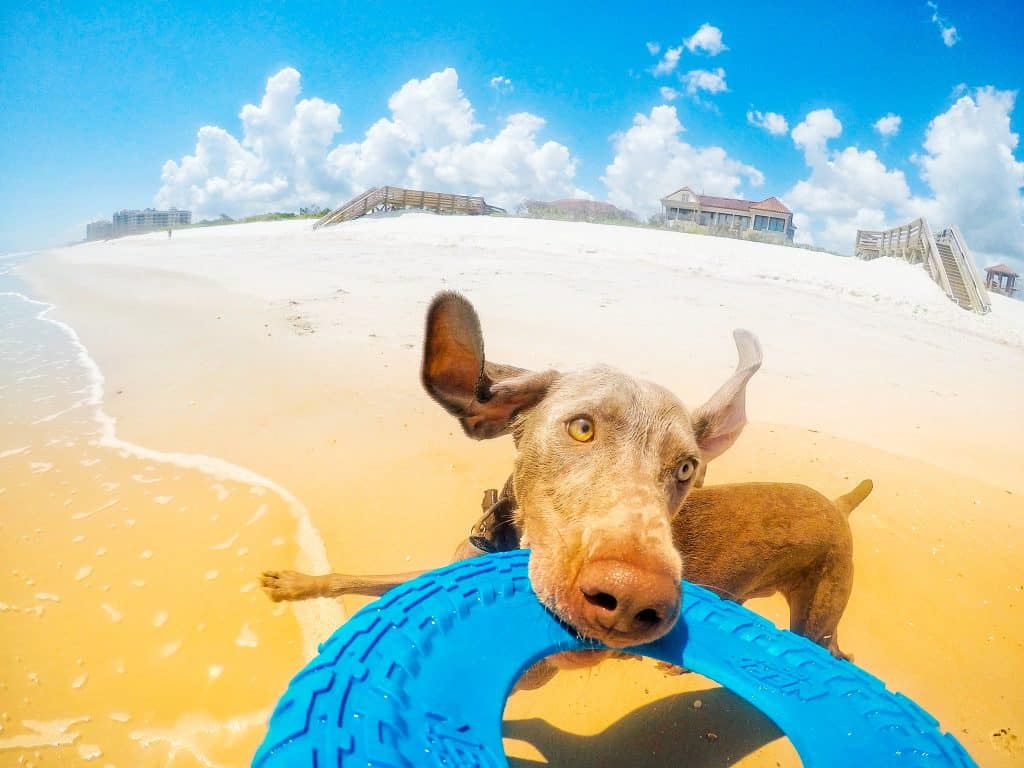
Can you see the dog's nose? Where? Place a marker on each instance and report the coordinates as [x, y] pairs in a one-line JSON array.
[[635, 604]]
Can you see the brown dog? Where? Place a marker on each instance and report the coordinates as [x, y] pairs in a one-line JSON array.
[[601, 494]]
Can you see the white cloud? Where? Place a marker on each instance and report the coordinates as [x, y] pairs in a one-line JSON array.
[[975, 178], [285, 157], [814, 132], [277, 162], [669, 94], [698, 80], [507, 169], [707, 39], [950, 36], [668, 62], [502, 84], [845, 191], [433, 111], [888, 125], [772, 122], [969, 165], [651, 160]]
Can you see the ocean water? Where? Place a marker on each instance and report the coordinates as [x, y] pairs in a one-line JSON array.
[[132, 629]]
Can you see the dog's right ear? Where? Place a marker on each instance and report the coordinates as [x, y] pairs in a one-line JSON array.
[[720, 420], [484, 396]]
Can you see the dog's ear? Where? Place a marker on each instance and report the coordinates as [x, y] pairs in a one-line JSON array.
[[720, 420], [484, 396]]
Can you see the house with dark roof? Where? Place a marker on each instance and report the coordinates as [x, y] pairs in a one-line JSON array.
[[728, 216]]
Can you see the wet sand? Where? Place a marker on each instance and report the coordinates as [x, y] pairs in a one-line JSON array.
[[312, 384]]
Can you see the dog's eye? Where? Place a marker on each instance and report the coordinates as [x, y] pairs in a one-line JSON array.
[[685, 470], [581, 429]]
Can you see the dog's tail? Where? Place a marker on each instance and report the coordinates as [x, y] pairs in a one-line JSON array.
[[850, 501]]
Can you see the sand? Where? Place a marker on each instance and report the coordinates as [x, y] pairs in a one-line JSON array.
[[286, 361]]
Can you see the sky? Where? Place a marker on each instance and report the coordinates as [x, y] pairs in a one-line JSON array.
[[856, 115]]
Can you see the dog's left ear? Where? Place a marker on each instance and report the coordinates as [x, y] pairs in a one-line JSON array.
[[484, 396], [720, 420]]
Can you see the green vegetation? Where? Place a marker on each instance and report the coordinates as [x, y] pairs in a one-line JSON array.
[[306, 212], [590, 211], [560, 210], [605, 213], [658, 221]]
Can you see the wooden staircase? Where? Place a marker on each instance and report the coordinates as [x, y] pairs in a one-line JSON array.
[[956, 280], [358, 206], [945, 257], [378, 199]]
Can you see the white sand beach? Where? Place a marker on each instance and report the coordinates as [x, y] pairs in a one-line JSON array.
[[272, 367]]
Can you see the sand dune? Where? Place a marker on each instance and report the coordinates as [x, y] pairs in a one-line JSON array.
[[293, 354]]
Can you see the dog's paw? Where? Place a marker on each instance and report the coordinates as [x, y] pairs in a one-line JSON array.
[[671, 670], [833, 648], [288, 585]]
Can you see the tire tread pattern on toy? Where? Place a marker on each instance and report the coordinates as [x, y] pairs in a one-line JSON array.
[[420, 678]]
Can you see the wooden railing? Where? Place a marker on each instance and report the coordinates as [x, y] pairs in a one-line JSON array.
[[915, 243], [974, 285], [398, 198]]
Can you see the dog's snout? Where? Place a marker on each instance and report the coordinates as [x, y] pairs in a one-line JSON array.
[[624, 604]]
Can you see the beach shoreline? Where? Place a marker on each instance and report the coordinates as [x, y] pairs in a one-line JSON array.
[[295, 354]]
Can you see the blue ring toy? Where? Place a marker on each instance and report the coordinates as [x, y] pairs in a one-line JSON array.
[[383, 690]]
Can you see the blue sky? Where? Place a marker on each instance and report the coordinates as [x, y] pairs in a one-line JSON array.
[[97, 98]]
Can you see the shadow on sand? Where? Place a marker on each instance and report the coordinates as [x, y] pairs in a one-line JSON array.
[[668, 731]]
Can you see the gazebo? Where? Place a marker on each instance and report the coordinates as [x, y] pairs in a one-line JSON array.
[[1001, 279]]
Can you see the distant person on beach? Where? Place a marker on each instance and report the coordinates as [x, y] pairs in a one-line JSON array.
[[168, 233]]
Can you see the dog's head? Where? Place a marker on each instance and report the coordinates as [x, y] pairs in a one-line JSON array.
[[604, 462]]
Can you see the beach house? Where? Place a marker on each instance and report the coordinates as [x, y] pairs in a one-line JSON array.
[[769, 218]]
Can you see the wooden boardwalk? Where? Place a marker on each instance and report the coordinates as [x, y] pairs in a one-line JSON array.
[[945, 256], [379, 199]]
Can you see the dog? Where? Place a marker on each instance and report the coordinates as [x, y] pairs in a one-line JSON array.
[[604, 494]]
